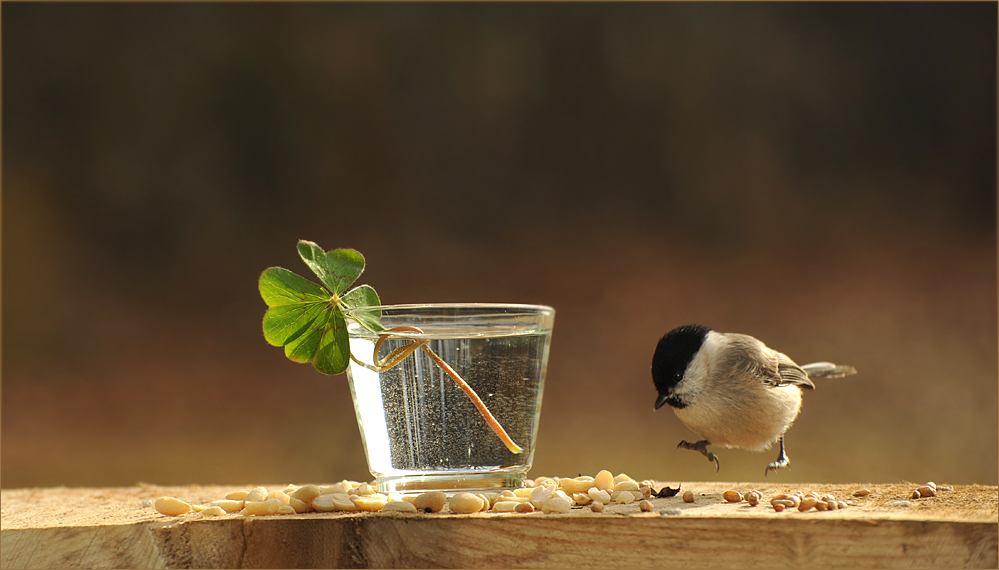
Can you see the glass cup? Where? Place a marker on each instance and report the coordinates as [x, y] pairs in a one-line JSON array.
[[451, 401]]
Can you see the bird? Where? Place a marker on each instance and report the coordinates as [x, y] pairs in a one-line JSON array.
[[732, 390]]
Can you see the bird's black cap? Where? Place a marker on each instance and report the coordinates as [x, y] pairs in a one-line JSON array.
[[673, 353]]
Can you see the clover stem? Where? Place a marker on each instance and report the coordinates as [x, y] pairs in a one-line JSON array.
[[395, 357]]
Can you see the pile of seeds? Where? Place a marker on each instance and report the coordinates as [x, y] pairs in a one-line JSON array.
[[545, 494]]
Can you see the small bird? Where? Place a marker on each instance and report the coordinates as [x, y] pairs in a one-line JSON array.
[[732, 390]]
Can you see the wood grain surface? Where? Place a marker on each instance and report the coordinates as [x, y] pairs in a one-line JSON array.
[[114, 528]]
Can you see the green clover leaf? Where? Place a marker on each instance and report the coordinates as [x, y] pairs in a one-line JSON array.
[[308, 319]]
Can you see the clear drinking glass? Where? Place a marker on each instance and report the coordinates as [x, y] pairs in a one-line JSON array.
[[421, 430]]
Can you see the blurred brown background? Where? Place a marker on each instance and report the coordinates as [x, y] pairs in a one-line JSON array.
[[819, 175]]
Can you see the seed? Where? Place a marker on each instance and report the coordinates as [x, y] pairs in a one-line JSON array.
[[821, 506], [306, 494], [197, 508], [284, 509], [645, 506], [524, 492], [623, 497], [524, 508], [465, 503], [732, 496], [299, 506], [827, 497], [228, 505], [688, 497], [779, 507], [915, 494], [753, 498], [831, 505], [541, 495], [581, 499], [646, 491], [782, 502], [261, 508], [599, 495], [237, 495], [324, 503], [171, 506], [399, 507], [364, 489], [549, 481], [336, 488], [926, 491], [258, 494], [430, 502], [281, 495], [604, 480], [557, 505], [371, 503], [807, 502], [333, 502], [626, 485], [212, 511], [931, 485], [622, 477], [570, 486], [861, 492], [596, 506], [507, 506], [841, 504]]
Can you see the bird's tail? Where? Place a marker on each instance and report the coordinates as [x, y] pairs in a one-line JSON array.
[[828, 370]]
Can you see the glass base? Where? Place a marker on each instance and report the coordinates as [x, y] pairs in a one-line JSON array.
[[452, 484]]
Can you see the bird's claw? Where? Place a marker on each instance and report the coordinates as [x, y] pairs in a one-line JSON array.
[[782, 460], [702, 446], [775, 465]]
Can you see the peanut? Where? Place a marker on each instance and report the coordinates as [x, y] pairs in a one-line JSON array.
[[306, 494], [171, 506], [465, 503], [399, 506], [372, 502], [732, 496], [557, 504], [604, 481], [524, 508], [257, 495], [807, 502], [228, 505], [599, 495], [431, 502]]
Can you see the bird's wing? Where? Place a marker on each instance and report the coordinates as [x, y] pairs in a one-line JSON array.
[[791, 373], [769, 366]]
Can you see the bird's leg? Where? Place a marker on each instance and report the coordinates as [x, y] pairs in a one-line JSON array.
[[702, 446], [782, 460]]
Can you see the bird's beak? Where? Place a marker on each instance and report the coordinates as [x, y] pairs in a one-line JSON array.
[[661, 400]]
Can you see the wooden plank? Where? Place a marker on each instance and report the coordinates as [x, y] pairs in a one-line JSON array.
[[110, 528]]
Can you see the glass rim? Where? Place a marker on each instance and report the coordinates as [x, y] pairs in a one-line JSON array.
[[523, 307]]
